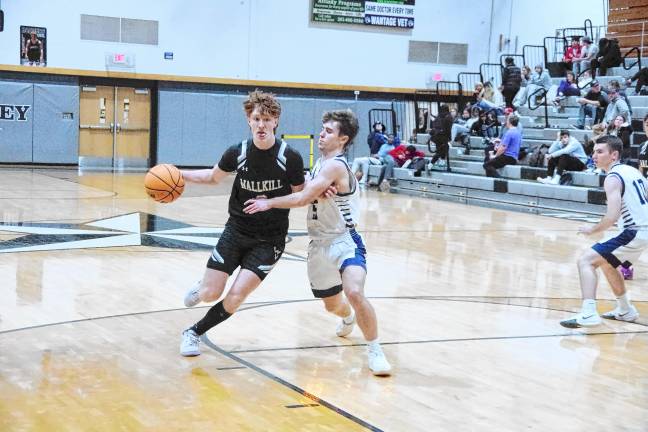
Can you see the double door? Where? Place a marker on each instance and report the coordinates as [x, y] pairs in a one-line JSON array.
[[114, 127]]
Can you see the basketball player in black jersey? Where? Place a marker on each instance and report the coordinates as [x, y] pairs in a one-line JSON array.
[[264, 166], [34, 49]]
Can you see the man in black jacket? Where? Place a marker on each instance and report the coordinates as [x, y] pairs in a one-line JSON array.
[[511, 81]]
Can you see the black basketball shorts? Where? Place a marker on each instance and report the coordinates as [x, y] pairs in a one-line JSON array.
[[236, 249]]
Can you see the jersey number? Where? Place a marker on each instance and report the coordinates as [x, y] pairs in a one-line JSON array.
[[314, 208], [641, 191]]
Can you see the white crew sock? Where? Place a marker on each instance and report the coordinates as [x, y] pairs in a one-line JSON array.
[[349, 319], [589, 307], [624, 302], [374, 345]]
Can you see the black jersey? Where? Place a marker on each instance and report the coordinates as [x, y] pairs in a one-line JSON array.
[[269, 172]]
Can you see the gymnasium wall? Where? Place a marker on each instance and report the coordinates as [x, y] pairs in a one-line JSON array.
[[275, 40], [196, 126]]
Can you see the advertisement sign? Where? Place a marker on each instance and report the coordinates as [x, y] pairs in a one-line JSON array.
[[384, 13]]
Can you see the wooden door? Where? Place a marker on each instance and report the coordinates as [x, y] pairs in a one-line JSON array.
[[133, 121], [96, 126]]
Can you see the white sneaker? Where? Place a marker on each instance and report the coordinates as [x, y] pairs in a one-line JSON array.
[[620, 315], [544, 180], [190, 345], [343, 329], [555, 180], [378, 363], [192, 297], [580, 320]]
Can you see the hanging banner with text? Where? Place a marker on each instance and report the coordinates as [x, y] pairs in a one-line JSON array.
[[384, 13]]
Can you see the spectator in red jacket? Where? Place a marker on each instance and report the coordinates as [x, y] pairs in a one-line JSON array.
[[396, 157], [574, 51]]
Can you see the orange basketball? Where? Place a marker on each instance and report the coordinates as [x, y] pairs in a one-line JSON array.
[[164, 183]]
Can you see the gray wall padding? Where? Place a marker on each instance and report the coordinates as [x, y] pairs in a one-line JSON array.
[[56, 136], [16, 136], [196, 126]]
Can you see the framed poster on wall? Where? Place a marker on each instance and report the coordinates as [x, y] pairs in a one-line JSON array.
[[33, 46]]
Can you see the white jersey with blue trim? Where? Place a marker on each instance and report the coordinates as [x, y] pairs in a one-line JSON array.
[[330, 217], [634, 196]]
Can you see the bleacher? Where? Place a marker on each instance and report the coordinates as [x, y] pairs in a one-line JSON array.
[[518, 188]]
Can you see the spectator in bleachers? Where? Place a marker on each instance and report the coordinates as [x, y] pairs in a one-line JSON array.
[[486, 126], [643, 150], [461, 125], [622, 129], [617, 85], [520, 96], [588, 53], [585, 80], [642, 80], [616, 107], [565, 154], [440, 133], [573, 51], [567, 87], [539, 79], [361, 164], [591, 105], [376, 138], [491, 99], [609, 55], [478, 92], [506, 150], [511, 81], [396, 157]]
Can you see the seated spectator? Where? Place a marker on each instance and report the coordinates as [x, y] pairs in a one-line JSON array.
[[506, 150], [588, 53], [539, 79], [361, 164], [440, 133], [511, 81], [585, 80], [566, 153], [396, 157], [567, 87], [478, 92], [609, 55], [616, 107], [486, 126], [461, 127], [592, 105], [642, 80], [643, 150], [376, 138], [617, 85], [621, 129], [521, 95], [491, 99], [573, 51], [588, 142]]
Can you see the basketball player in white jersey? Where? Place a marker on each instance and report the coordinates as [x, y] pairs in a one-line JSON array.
[[336, 255], [627, 204]]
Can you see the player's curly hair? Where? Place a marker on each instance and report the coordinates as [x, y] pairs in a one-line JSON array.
[[347, 122], [266, 102]]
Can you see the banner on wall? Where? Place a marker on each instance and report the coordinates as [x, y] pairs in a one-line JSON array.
[[383, 13], [33, 46]]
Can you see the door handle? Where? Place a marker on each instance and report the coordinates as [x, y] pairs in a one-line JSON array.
[[112, 127], [118, 127]]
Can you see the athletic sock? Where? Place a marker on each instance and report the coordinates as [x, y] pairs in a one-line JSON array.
[[373, 345], [589, 307], [215, 315], [348, 319], [624, 302]]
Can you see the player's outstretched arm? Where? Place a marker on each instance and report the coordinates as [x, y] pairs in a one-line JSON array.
[[612, 187], [212, 176], [314, 189]]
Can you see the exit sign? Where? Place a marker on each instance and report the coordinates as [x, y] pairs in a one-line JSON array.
[[119, 58]]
